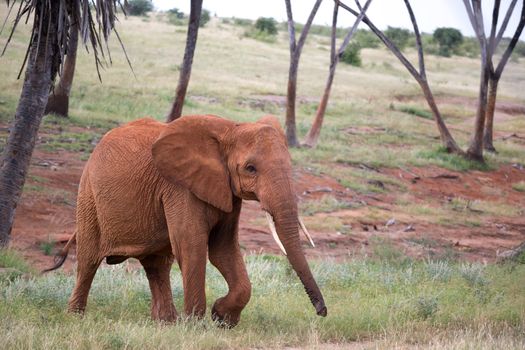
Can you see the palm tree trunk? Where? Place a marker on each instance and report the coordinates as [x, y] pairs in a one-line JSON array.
[[489, 119], [58, 102], [40, 72], [185, 72]]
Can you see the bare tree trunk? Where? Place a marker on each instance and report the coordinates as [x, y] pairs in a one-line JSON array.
[[313, 135], [295, 55], [40, 72], [489, 119], [475, 149], [58, 102], [185, 71]]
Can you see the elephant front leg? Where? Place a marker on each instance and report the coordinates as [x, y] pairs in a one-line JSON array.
[[225, 255], [192, 262]]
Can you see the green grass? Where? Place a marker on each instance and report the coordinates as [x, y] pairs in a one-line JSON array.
[[519, 186], [325, 204], [408, 303], [416, 111]]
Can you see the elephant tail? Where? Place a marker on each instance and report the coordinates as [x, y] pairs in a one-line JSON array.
[[61, 256]]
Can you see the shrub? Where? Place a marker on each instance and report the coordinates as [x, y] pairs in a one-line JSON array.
[[366, 39], [205, 17], [139, 7], [449, 40], [352, 55], [176, 13], [398, 36], [267, 25]]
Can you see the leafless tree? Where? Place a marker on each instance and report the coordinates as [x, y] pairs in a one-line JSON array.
[[185, 71], [45, 53], [419, 75], [493, 70], [295, 54], [58, 101], [313, 135]]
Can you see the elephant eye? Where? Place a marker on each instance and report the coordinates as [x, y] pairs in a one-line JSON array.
[[251, 168]]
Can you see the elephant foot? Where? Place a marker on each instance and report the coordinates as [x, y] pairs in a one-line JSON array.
[[223, 317], [165, 315]]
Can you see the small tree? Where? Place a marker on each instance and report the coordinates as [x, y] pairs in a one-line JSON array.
[[420, 75], [205, 17], [138, 7], [296, 47], [335, 56], [267, 25], [448, 39], [398, 36], [352, 55]]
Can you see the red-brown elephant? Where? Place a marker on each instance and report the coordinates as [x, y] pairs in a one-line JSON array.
[[159, 192]]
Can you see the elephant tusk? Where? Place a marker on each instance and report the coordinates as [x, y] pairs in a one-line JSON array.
[[274, 231], [306, 233]]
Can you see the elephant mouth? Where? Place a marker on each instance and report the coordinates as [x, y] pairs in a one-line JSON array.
[[273, 230]]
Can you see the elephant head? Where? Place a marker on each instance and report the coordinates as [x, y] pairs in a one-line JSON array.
[[217, 159]]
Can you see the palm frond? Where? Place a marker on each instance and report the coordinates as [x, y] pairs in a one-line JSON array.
[[95, 18]]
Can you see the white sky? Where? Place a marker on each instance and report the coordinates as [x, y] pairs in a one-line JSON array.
[[430, 14]]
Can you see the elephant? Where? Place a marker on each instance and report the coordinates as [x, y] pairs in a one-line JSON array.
[[161, 192]]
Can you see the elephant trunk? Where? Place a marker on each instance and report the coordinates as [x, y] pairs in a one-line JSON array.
[[283, 209]]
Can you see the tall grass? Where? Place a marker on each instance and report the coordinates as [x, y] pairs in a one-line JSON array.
[[369, 300]]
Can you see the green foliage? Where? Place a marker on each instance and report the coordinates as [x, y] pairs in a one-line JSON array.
[[366, 39], [452, 161], [399, 36], [138, 7], [243, 22], [176, 12], [264, 29], [12, 266], [325, 204], [416, 111], [267, 25], [519, 186], [519, 50], [448, 39], [352, 55], [205, 17]]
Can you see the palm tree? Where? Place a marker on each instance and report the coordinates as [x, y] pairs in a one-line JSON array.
[[45, 55]]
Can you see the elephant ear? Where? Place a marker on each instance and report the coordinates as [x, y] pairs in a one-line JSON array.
[[273, 121], [188, 152]]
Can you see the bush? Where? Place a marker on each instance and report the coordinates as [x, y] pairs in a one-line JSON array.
[[398, 36], [176, 13], [205, 17], [138, 7], [469, 48], [352, 55], [448, 39], [366, 39], [267, 25]]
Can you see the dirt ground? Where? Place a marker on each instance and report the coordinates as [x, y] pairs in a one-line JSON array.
[[45, 217]]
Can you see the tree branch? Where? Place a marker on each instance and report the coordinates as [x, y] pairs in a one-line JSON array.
[[419, 46], [352, 31], [291, 26], [505, 23], [307, 25], [492, 38], [512, 44]]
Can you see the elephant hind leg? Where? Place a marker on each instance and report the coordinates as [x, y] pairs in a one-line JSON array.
[[85, 273], [158, 273]]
